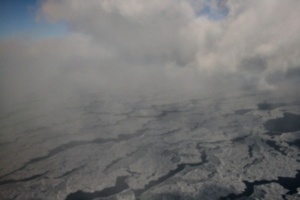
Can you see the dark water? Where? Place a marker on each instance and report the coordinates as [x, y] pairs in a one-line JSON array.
[[248, 191], [288, 123], [273, 133], [73, 144], [250, 151], [276, 146], [269, 106], [171, 173], [120, 186], [70, 172], [242, 111], [22, 180], [295, 143], [238, 139], [288, 183]]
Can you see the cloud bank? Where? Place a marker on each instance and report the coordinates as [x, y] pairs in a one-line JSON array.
[[138, 46]]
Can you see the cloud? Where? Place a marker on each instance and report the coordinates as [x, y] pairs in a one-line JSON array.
[[117, 46]]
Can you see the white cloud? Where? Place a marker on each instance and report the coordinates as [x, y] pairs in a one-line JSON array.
[[138, 45]]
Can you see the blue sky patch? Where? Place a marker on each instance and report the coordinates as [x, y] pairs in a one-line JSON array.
[[213, 12], [18, 19]]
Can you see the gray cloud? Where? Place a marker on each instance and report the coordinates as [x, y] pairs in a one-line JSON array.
[[253, 64], [293, 73], [136, 46]]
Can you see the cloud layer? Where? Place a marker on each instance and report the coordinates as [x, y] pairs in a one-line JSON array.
[[116, 46]]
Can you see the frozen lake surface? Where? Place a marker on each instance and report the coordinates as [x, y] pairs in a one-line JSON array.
[[164, 147]]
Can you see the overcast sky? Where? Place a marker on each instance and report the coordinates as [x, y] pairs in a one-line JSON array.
[[148, 46]]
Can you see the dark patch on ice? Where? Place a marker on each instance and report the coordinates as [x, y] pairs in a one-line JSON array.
[[170, 132], [164, 113], [248, 191], [275, 146], [58, 150], [237, 139], [119, 159], [254, 162], [269, 106], [171, 173], [112, 163], [250, 151], [70, 172], [273, 133], [22, 180], [120, 186], [242, 111], [166, 196], [288, 183], [288, 123], [19, 169], [132, 173], [295, 143]]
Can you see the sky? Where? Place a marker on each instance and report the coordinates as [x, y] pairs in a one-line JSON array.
[[18, 18], [139, 47]]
